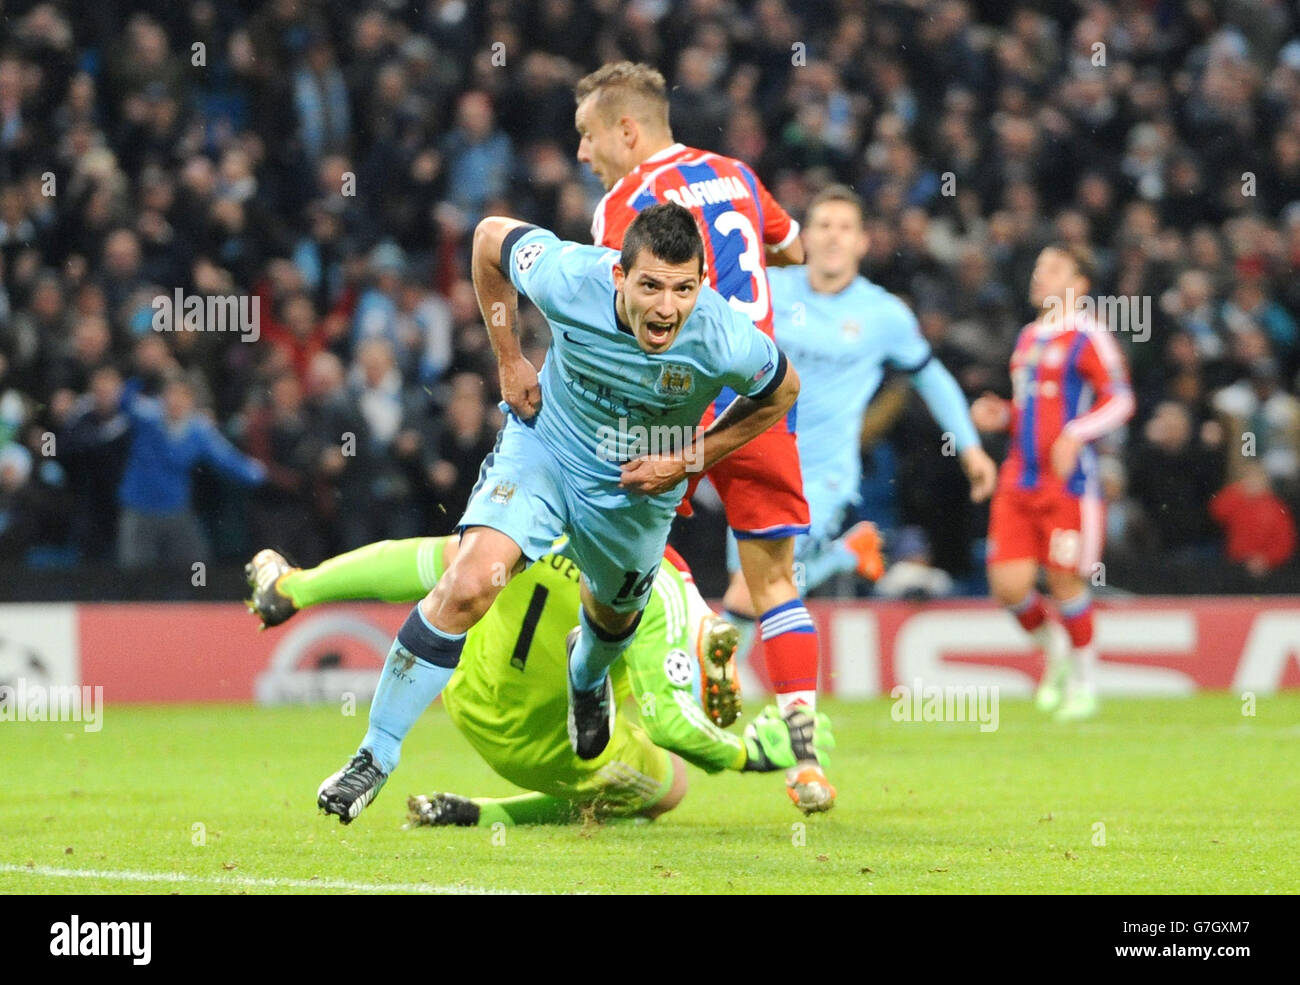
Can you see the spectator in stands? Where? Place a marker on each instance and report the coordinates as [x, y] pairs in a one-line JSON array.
[[320, 97], [391, 443], [480, 157], [1172, 476], [315, 132], [37, 332], [424, 332], [1258, 527], [1129, 534], [168, 439], [1262, 422], [1251, 308], [336, 427], [296, 333], [464, 435], [279, 435], [394, 309], [20, 508], [93, 447]]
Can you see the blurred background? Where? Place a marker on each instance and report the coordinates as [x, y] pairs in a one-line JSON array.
[[330, 159]]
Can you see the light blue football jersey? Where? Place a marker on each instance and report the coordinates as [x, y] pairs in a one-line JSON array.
[[604, 399], [841, 344]]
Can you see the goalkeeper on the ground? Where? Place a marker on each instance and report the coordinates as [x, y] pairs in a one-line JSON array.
[[508, 696]]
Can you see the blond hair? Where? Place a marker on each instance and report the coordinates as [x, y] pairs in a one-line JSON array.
[[630, 88]]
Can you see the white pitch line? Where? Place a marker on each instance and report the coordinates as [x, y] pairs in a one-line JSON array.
[[254, 883]]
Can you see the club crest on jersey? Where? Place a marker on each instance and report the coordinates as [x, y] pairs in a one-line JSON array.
[[527, 256], [1053, 356], [503, 492], [850, 330], [675, 380]]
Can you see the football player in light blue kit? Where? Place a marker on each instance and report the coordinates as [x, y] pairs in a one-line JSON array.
[[843, 332], [596, 447]]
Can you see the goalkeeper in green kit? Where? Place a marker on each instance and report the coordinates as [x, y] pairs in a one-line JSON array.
[[508, 695]]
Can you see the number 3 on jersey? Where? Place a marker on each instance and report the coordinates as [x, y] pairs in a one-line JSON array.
[[750, 261]]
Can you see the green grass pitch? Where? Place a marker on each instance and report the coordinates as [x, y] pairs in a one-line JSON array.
[[1189, 796]]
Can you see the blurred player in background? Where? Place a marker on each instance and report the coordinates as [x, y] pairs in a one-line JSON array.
[[844, 332], [1069, 387], [622, 120], [508, 696]]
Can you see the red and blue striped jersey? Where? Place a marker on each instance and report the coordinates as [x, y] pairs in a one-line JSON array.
[[737, 215], [1065, 376]]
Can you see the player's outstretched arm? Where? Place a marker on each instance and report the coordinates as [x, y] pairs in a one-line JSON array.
[[499, 302]]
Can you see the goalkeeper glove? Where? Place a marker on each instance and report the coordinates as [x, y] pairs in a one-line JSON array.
[[811, 738], [774, 743]]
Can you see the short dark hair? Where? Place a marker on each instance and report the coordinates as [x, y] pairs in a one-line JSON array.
[[668, 231]]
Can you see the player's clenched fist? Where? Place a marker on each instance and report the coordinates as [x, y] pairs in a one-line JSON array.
[[981, 472], [519, 387], [652, 474], [990, 412]]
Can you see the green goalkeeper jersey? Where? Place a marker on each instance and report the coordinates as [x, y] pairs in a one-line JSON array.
[[508, 695]]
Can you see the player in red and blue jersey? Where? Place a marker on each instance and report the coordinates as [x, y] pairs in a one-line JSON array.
[[1069, 387], [622, 119]]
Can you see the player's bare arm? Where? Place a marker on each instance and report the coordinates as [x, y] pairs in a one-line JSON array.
[[499, 302], [743, 421], [787, 256], [1065, 454]]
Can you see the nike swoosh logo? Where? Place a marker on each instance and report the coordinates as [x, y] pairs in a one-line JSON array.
[[570, 338]]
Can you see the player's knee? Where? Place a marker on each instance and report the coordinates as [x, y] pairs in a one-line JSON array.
[[1010, 588], [768, 566], [1007, 594], [610, 621], [463, 594], [676, 793], [1064, 585]]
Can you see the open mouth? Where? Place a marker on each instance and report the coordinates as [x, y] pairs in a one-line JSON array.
[[658, 333]]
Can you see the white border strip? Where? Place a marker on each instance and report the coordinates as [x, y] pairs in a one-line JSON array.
[[242, 882]]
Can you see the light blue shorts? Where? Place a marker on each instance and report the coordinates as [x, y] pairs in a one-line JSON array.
[[617, 538]]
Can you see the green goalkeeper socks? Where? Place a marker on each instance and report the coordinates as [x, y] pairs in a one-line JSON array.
[[527, 808], [391, 570]]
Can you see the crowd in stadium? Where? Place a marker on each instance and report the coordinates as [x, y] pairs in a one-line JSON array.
[[329, 160]]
